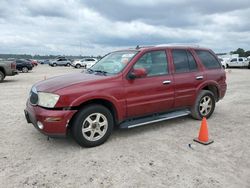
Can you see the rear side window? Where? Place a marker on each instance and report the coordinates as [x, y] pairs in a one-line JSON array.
[[183, 61], [207, 59]]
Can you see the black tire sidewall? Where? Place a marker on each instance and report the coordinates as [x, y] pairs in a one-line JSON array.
[[2, 76], [78, 122], [196, 111]]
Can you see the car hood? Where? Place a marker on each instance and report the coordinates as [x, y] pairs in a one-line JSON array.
[[51, 85]]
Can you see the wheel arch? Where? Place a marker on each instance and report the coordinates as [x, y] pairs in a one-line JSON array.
[[104, 102], [214, 89], [3, 71]]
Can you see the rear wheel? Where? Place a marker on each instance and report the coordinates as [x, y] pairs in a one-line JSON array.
[[25, 69], [54, 64], [204, 105], [2, 76], [92, 125], [68, 64], [78, 66]]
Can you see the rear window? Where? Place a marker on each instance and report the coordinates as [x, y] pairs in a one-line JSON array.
[[207, 59], [183, 61]]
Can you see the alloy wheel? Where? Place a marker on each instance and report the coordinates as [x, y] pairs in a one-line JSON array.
[[94, 127]]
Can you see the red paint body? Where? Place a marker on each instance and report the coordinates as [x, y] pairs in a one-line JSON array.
[[129, 98]]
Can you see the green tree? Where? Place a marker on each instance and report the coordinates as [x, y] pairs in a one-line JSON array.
[[240, 51]]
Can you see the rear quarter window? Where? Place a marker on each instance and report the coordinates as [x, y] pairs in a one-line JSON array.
[[207, 59]]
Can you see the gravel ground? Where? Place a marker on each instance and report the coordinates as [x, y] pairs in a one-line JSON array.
[[155, 155]]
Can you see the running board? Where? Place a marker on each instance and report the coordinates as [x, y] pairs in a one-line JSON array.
[[153, 119]]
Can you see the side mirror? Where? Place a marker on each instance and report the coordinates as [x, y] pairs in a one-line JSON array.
[[137, 73]]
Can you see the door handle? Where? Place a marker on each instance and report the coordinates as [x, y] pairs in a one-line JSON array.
[[166, 82], [199, 77]]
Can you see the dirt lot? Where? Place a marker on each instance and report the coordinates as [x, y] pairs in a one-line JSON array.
[[155, 155]]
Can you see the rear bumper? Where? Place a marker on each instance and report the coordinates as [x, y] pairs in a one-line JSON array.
[[223, 89], [12, 73], [54, 122]]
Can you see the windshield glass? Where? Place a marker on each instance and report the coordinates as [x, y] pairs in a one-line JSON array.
[[113, 63]]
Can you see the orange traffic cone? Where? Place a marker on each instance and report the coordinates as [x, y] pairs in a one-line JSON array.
[[203, 135]]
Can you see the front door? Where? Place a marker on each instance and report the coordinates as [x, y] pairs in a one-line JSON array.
[[154, 92]]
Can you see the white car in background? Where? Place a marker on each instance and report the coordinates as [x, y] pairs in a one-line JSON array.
[[238, 62], [85, 63]]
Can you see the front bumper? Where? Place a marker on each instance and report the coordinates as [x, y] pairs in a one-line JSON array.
[[54, 122]]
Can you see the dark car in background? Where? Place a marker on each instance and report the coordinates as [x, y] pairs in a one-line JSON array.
[[23, 65]]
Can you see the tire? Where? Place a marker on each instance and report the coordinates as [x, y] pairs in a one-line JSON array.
[[54, 64], [2, 76], [94, 134], [25, 69], [68, 64], [78, 66], [204, 97]]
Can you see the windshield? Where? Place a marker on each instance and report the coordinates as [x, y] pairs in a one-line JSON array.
[[113, 63]]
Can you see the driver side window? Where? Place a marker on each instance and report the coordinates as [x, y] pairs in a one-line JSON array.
[[155, 63]]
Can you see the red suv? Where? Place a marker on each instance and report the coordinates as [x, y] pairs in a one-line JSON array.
[[128, 88]]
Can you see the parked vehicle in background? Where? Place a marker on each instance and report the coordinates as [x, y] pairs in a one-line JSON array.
[[33, 62], [23, 65], [7, 68], [238, 62], [223, 62], [62, 61], [85, 63], [147, 85], [46, 61]]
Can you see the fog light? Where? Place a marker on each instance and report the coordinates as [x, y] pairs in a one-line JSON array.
[[40, 125]]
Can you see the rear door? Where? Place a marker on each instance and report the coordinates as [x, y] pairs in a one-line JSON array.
[[153, 93], [187, 77]]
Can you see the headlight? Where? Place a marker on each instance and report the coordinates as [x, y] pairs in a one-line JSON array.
[[47, 100]]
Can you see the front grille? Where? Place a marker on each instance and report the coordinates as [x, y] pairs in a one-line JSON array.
[[33, 96]]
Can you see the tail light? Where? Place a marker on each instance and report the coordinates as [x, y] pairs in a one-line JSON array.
[[13, 65]]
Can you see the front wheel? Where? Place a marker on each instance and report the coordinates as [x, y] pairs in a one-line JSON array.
[[92, 125], [25, 69], [204, 105]]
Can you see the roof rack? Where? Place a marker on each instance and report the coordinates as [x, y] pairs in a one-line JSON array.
[[144, 46], [178, 44]]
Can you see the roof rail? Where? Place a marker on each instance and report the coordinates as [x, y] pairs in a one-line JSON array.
[[178, 44], [144, 46]]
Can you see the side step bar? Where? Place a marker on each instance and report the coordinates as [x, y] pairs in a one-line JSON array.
[[153, 119]]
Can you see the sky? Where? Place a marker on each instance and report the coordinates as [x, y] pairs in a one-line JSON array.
[[96, 27]]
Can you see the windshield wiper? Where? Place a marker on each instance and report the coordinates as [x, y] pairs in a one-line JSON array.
[[100, 71]]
